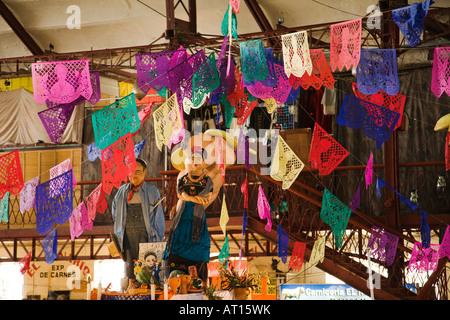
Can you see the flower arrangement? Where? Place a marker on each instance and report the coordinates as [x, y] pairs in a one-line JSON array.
[[231, 279]]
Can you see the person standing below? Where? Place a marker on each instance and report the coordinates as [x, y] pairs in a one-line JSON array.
[[136, 219]]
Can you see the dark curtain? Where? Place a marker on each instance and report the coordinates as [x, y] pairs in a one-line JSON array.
[[417, 143]]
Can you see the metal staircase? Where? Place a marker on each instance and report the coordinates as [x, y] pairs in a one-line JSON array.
[[297, 210]]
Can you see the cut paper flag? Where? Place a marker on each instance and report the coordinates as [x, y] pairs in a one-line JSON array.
[[296, 55], [174, 76], [229, 111], [204, 81], [345, 44], [271, 105], [283, 243], [114, 121], [96, 90], [243, 109], [220, 158], [227, 81], [440, 75], [377, 70], [138, 148], [55, 121], [50, 246], [244, 227], [368, 172], [321, 73], [11, 177], [184, 92], [293, 94], [296, 260], [392, 102], [425, 232], [253, 61], [325, 152], [244, 222], [79, 221], [4, 208], [61, 168], [424, 259], [243, 106], [143, 115], [153, 69], [95, 97], [28, 195], [383, 245], [444, 248], [295, 82], [272, 77], [381, 184], [229, 29], [25, 263], [61, 81], [167, 122], [225, 252], [280, 92], [375, 121], [447, 151], [244, 191], [93, 152], [317, 252], [235, 5], [54, 202], [356, 200], [96, 202], [238, 91], [264, 209], [410, 20], [243, 150], [225, 27], [424, 227], [286, 165], [118, 163], [336, 215], [224, 218]]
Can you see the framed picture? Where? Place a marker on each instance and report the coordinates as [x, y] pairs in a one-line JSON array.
[[152, 252]]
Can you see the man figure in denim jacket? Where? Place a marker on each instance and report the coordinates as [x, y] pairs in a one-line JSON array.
[[136, 219]]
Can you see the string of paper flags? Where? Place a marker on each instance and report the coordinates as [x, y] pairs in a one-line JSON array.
[[198, 78]]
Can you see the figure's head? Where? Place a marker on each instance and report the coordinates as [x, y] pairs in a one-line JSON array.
[[61, 70], [196, 162], [150, 258], [139, 173]]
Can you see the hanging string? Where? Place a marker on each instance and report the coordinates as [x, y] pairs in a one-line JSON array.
[[272, 37]]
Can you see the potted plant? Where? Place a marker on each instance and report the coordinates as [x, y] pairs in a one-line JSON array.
[[241, 284], [210, 292]]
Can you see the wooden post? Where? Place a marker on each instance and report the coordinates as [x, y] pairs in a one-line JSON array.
[[390, 39]]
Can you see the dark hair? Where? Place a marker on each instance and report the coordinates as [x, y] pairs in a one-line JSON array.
[[142, 162], [150, 253], [200, 151]]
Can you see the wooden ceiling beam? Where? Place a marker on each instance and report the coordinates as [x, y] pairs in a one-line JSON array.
[[19, 30]]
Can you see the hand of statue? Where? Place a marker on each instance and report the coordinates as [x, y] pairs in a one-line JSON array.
[[196, 199]]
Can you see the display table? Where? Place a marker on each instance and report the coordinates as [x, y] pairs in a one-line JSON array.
[[189, 296], [127, 296], [118, 296]]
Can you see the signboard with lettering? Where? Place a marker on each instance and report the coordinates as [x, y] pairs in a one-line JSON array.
[[43, 278], [321, 292]]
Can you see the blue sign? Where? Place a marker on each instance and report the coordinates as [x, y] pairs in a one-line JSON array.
[[321, 292]]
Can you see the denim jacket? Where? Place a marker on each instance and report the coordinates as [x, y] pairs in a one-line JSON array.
[[154, 219]]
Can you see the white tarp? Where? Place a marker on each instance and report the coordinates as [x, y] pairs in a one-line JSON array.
[[21, 125]]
